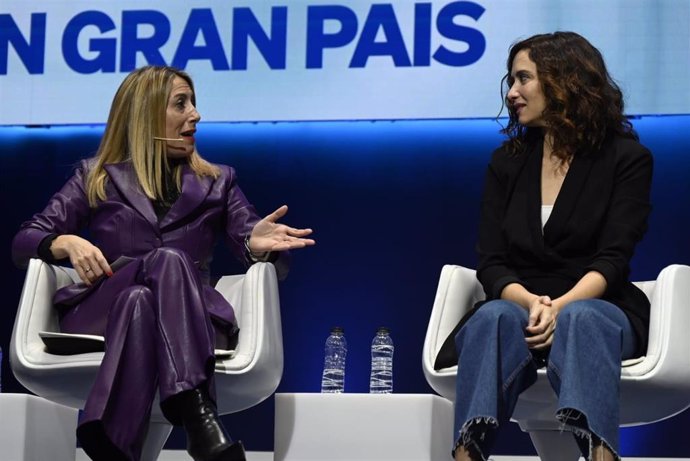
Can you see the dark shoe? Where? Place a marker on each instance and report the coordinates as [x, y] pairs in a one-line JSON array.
[[207, 439], [234, 452]]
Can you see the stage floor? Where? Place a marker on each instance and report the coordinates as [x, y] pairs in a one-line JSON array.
[[180, 455]]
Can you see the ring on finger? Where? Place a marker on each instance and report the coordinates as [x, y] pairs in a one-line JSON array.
[[88, 269]]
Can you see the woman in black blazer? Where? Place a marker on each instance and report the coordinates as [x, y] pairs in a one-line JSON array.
[[566, 200]]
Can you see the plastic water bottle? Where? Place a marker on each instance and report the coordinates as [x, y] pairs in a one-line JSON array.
[[333, 378], [381, 380]]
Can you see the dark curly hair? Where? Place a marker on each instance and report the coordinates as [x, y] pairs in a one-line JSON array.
[[583, 103]]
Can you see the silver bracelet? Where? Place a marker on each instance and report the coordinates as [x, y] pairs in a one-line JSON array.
[[251, 255]]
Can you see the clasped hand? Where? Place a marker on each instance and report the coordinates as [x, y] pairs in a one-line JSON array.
[[542, 323]]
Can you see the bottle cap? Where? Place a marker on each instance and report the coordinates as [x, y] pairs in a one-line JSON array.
[[337, 330], [383, 330]]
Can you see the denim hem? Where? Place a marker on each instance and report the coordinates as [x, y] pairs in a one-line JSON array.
[[571, 420], [466, 437]]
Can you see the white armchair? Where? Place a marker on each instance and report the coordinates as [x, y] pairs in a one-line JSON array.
[[653, 387], [244, 379]]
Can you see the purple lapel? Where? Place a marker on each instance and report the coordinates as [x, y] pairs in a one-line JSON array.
[[194, 191], [124, 179]]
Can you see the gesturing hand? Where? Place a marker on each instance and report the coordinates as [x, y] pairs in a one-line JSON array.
[[86, 258], [542, 323], [269, 235]]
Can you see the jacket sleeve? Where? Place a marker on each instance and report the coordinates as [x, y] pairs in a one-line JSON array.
[[241, 217], [493, 269], [626, 217], [67, 212]]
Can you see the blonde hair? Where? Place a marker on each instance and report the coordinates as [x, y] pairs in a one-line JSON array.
[[137, 114]]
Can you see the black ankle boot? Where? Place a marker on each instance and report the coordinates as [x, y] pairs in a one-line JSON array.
[[206, 436]]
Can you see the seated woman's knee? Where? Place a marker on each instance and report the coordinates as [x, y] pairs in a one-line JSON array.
[[499, 309], [581, 311], [134, 297]]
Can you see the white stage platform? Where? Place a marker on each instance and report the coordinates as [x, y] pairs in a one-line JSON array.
[[23, 416], [181, 455], [169, 455], [362, 427], [307, 429]]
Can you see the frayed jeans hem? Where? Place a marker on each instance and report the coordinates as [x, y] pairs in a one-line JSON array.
[[473, 429], [572, 420]]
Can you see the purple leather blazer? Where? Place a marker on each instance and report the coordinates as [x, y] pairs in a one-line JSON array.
[[125, 223]]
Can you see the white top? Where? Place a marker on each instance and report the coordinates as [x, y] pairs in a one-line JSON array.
[[545, 214]]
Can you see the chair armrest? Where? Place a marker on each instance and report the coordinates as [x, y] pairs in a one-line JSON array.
[[458, 291], [36, 312], [667, 356], [254, 372], [254, 296]]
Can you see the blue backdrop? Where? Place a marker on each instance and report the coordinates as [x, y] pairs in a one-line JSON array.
[[390, 203]]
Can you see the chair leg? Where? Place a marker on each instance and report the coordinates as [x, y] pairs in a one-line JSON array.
[[156, 436], [555, 445]]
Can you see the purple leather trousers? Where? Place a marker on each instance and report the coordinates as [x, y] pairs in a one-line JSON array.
[[158, 336]]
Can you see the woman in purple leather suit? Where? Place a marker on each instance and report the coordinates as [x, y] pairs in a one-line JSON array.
[[149, 196]]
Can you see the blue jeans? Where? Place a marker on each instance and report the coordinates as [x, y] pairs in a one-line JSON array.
[[583, 366]]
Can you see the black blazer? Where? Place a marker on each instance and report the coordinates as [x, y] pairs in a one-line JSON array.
[[599, 216]]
